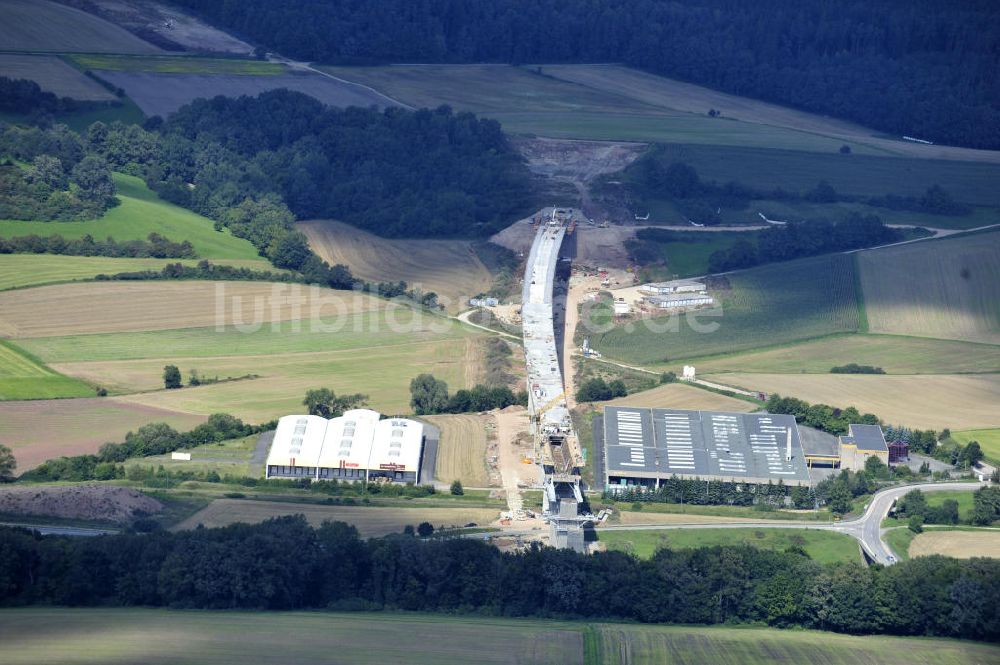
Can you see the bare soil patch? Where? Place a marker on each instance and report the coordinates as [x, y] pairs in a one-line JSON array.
[[680, 396], [70, 309], [91, 502], [38, 430], [958, 544], [449, 268], [371, 522], [55, 76], [165, 25], [462, 449]]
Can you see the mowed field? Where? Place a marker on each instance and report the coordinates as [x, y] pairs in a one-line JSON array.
[[110, 635], [162, 93], [461, 453], [371, 522], [822, 546], [21, 270], [38, 430], [140, 213], [168, 64], [207, 638], [764, 306], [947, 288], [449, 268], [283, 339], [989, 440], [40, 25], [958, 544], [680, 396], [24, 377], [53, 75], [895, 354], [919, 401]]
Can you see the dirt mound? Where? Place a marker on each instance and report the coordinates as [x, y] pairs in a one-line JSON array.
[[92, 502]]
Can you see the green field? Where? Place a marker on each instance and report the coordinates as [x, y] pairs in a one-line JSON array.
[[822, 546], [935, 499], [855, 174], [137, 635], [989, 440], [765, 306], [225, 457], [365, 330], [895, 354], [945, 288], [24, 377], [739, 512], [689, 257], [39, 25], [178, 65], [20, 270], [526, 102], [142, 212]]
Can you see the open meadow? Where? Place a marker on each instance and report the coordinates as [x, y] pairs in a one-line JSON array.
[[39, 429], [53, 75], [822, 546], [24, 377], [371, 522], [449, 268], [41, 25], [763, 306], [947, 288], [461, 453], [961, 544], [932, 401], [171, 64], [989, 440], [140, 213], [895, 354], [99, 635]]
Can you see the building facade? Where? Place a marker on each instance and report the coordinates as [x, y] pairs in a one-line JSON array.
[[860, 443]]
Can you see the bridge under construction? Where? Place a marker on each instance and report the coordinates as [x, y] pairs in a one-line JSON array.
[[556, 444]]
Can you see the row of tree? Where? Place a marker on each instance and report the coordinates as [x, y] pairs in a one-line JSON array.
[[148, 440], [286, 564], [819, 416], [154, 246], [985, 508], [698, 492], [917, 68], [429, 395]]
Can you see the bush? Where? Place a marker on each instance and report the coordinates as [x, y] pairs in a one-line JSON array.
[[456, 488]]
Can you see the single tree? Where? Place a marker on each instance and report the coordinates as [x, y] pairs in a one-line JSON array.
[[916, 523], [845, 149], [7, 464], [840, 498], [456, 488], [325, 403], [408, 530], [425, 529], [428, 395], [171, 377]]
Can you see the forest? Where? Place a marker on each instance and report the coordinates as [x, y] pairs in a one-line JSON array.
[[925, 68], [285, 564]]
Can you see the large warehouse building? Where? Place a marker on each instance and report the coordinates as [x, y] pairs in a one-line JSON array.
[[359, 445], [643, 446]]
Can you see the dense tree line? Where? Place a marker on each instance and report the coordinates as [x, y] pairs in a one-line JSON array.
[[429, 395], [854, 368], [148, 440], [396, 173], [154, 246], [820, 416], [599, 390], [27, 97], [925, 68], [985, 508], [285, 564], [797, 240], [60, 181], [698, 492]]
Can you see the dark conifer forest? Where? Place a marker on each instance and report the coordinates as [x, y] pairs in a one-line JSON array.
[[923, 68]]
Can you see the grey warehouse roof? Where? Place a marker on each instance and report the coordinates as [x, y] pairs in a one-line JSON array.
[[642, 442], [866, 437]]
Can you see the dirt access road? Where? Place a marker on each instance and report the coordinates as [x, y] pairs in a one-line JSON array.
[[514, 446]]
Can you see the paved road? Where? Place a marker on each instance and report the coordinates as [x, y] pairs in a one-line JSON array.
[[867, 529], [50, 530]]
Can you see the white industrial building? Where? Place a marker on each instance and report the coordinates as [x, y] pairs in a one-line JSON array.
[[674, 286], [359, 445], [679, 300]]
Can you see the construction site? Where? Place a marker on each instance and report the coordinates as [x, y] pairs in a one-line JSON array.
[[556, 445]]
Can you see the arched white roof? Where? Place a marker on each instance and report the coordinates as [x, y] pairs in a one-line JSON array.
[[297, 441]]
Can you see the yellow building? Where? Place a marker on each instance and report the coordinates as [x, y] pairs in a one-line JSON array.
[[860, 443]]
